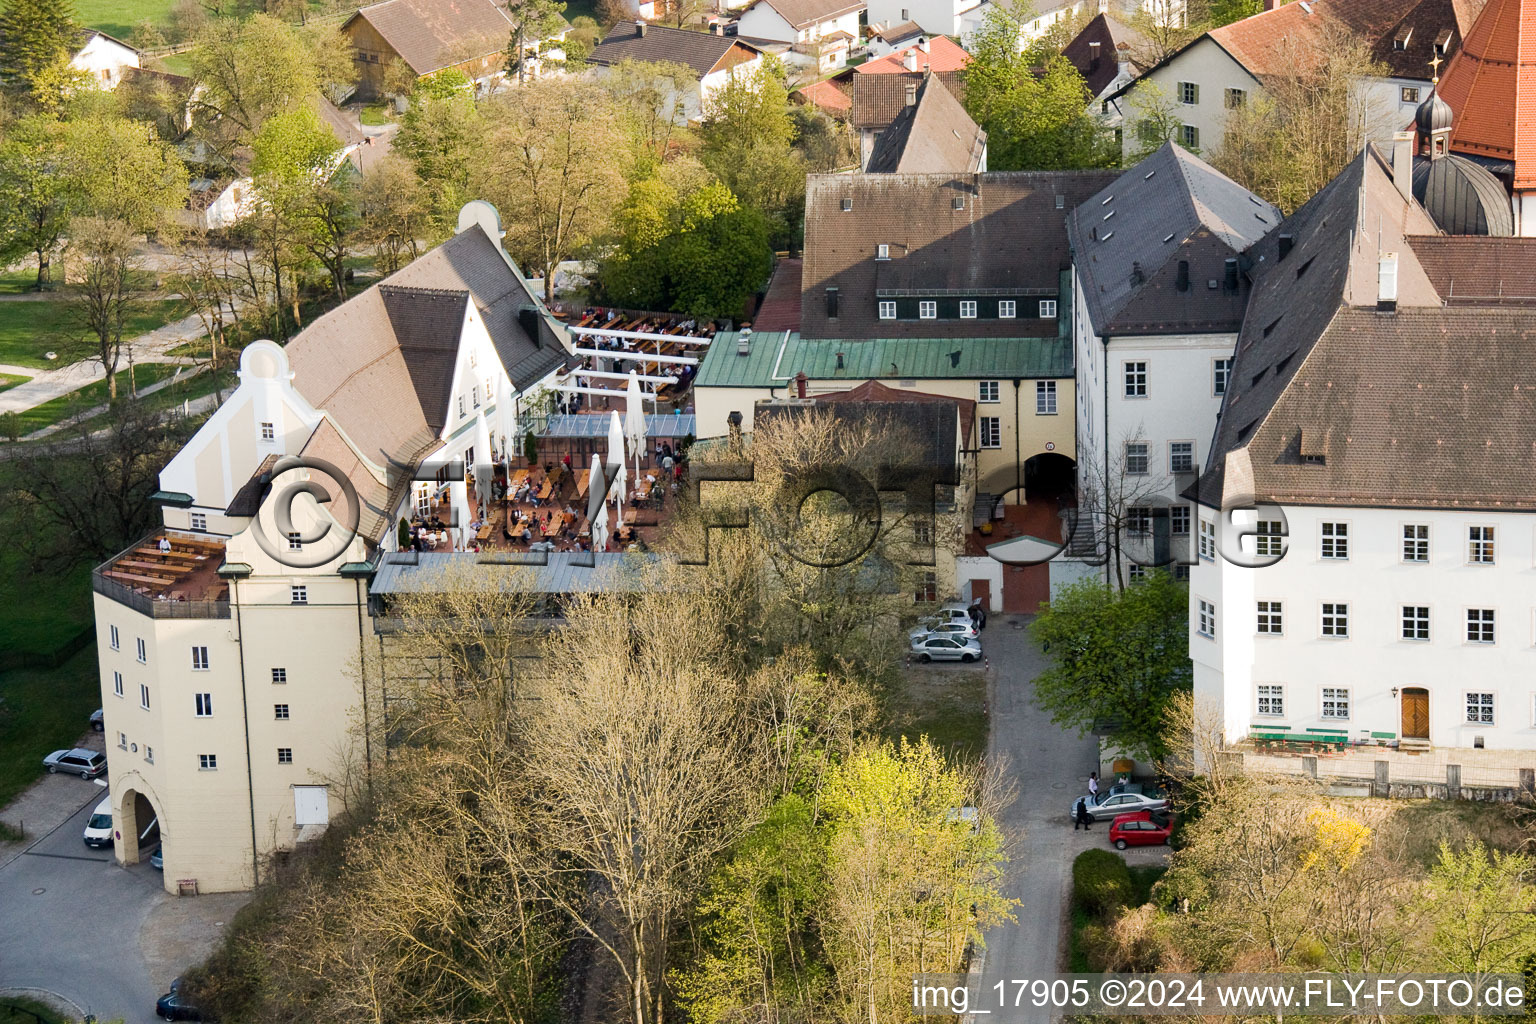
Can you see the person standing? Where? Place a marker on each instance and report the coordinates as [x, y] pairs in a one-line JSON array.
[[1093, 786], [1082, 820]]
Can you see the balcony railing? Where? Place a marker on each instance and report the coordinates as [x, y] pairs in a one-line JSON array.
[[155, 607]]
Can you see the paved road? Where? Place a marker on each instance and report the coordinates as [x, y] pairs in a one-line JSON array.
[[104, 939], [1051, 766]]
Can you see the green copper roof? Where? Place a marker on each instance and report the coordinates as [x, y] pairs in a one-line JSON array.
[[776, 356]]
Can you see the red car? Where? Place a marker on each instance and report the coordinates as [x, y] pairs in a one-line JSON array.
[[1140, 828]]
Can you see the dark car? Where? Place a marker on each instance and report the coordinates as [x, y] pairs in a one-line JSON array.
[[99, 720], [1142, 828], [175, 1006]]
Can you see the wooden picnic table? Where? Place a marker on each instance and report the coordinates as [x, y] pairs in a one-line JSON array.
[[583, 482], [159, 567], [519, 530], [484, 533], [547, 489], [157, 581]]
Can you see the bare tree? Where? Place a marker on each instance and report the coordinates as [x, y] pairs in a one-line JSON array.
[[1115, 501], [105, 293]]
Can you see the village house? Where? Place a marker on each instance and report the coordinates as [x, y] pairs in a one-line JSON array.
[[932, 134], [1228, 66], [104, 60], [880, 90], [427, 36], [713, 58], [1104, 54], [819, 32]]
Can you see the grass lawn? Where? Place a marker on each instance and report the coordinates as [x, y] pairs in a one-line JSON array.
[[49, 413], [177, 64], [118, 17], [29, 329], [376, 114], [20, 281], [10, 380], [15, 1010], [947, 704], [43, 710]]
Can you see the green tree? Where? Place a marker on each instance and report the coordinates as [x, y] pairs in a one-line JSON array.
[[748, 133], [441, 136], [1154, 119], [533, 21], [1120, 656], [297, 175], [37, 39], [1032, 104], [559, 172], [1225, 12], [1480, 902], [36, 196], [249, 71], [124, 171]]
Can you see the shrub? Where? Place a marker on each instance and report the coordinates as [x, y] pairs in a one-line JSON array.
[[1101, 882]]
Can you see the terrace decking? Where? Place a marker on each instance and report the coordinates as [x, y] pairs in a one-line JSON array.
[[183, 581]]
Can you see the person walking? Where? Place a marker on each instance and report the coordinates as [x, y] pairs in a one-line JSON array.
[[1093, 786], [1082, 820]]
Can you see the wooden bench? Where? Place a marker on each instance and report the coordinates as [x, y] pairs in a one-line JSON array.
[[1338, 739], [154, 581], [583, 482]]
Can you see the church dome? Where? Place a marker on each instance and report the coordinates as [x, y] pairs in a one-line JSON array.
[[1462, 196], [1433, 115]]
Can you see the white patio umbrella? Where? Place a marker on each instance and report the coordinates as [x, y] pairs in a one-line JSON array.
[[597, 504], [634, 419], [616, 458]]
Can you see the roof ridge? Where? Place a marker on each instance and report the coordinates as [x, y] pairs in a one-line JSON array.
[[408, 289]]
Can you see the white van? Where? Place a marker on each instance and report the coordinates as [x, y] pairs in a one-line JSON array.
[[98, 830]]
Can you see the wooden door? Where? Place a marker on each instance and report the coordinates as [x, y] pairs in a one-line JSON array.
[[1416, 714], [1026, 587], [981, 593]]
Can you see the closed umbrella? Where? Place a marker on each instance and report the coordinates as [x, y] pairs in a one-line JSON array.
[[484, 468], [634, 419], [597, 504], [616, 459]]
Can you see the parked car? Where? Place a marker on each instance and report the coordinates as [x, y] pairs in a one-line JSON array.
[[157, 859], [87, 764], [99, 720], [961, 630], [1117, 804], [98, 829], [174, 1006], [1140, 828], [954, 611], [946, 648]]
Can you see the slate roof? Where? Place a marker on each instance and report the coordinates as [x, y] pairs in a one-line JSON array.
[[1402, 405], [430, 35], [942, 54], [1129, 240], [806, 13], [1471, 270], [1008, 235], [773, 359], [1100, 68], [1491, 85], [376, 365], [877, 99], [701, 51], [780, 310], [247, 500], [407, 572], [934, 135], [937, 424]]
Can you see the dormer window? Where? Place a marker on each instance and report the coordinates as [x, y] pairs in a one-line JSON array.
[[847, 205], [882, 251]]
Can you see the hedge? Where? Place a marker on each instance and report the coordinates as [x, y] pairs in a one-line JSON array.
[[1101, 882]]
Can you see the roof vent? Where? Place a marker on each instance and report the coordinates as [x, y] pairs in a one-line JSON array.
[[847, 205], [1287, 243], [911, 93], [744, 343], [528, 319], [1061, 202], [1167, 238], [1386, 283], [1231, 275]]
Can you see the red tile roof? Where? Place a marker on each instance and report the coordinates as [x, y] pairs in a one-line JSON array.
[[944, 54], [827, 96], [1270, 43], [1491, 85]]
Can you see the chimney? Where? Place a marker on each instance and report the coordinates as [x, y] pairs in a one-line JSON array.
[[922, 43], [1231, 276], [744, 343], [1123, 59], [1094, 47], [1287, 243], [640, 28], [1386, 283], [718, 29], [911, 94], [800, 385], [909, 60], [1402, 162]]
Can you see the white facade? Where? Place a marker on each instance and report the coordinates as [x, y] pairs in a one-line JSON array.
[[1470, 623], [937, 17], [1159, 392], [1202, 82], [763, 21], [710, 84], [103, 60]]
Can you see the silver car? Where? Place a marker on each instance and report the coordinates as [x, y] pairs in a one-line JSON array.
[[958, 630], [946, 648], [1120, 803], [87, 764]]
